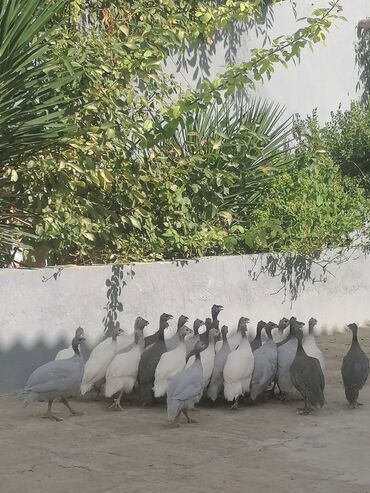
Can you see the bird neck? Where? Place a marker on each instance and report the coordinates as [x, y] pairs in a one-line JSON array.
[[160, 333], [76, 348], [224, 337], [310, 328], [269, 335], [196, 330], [197, 355], [354, 336]]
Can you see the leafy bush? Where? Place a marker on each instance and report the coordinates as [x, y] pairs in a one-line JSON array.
[[308, 208], [346, 139]]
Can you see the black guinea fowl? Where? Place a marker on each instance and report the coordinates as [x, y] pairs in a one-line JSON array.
[[355, 369]]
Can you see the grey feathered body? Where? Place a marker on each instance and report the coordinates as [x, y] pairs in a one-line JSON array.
[[185, 389], [355, 370], [308, 378], [216, 383], [148, 363], [58, 378], [265, 368], [286, 354]]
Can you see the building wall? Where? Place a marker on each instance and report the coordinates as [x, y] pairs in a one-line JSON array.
[[41, 308], [324, 79]]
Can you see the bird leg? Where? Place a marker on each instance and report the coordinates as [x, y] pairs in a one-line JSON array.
[[235, 407], [117, 402], [306, 410], [184, 411], [49, 414], [284, 397], [354, 404], [66, 403]]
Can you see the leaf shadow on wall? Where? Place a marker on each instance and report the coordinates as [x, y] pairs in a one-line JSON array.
[[363, 63], [114, 305]]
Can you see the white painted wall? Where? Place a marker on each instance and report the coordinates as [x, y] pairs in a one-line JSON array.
[[323, 79], [39, 316]]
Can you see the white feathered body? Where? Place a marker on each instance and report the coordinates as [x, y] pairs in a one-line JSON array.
[[207, 358], [286, 355], [265, 368], [238, 371], [311, 349], [171, 363], [122, 372], [96, 366]]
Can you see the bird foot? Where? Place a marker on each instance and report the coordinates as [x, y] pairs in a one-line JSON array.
[[116, 404], [234, 407], [77, 413], [303, 411], [354, 405], [190, 421], [52, 417], [284, 398]]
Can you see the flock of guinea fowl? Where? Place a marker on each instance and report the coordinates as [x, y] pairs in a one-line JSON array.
[[191, 365]]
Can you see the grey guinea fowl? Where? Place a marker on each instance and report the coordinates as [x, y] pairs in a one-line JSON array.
[[186, 388], [287, 350], [216, 384], [192, 340], [257, 341], [265, 364], [173, 342], [149, 361], [355, 369], [57, 379], [307, 377], [211, 323]]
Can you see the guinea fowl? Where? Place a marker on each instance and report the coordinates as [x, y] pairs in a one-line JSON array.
[[355, 369], [307, 377], [282, 331], [121, 374], [211, 323], [192, 340], [265, 364], [57, 379], [149, 361], [98, 362], [68, 352], [239, 368], [173, 342], [170, 363], [287, 350], [186, 388], [310, 346], [216, 383], [237, 338], [257, 341], [208, 356]]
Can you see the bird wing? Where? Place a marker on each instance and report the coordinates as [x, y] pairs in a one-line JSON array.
[[265, 364], [188, 391], [219, 362], [355, 368], [55, 375]]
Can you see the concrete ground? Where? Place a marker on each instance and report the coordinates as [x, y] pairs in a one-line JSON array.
[[257, 449]]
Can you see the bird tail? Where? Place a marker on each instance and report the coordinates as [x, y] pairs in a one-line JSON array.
[[30, 397], [213, 390], [173, 408], [160, 387], [85, 387], [351, 394], [232, 390], [255, 391], [146, 394]]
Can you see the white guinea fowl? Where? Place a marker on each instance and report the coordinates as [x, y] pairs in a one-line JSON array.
[[100, 357], [207, 357], [57, 380], [282, 331], [310, 346], [238, 368], [122, 372], [235, 339], [171, 363], [69, 352]]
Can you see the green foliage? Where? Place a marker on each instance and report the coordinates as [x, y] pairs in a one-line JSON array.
[[345, 138], [309, 208], [153, 171], [32, 106]]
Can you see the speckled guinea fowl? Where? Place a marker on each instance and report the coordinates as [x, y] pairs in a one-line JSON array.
[[173, 342], [355, 369], [307, 377], [193, 339], [265, 364], [57, 379], [216, 383], [186, 388], [257, 341], [149, 361]]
